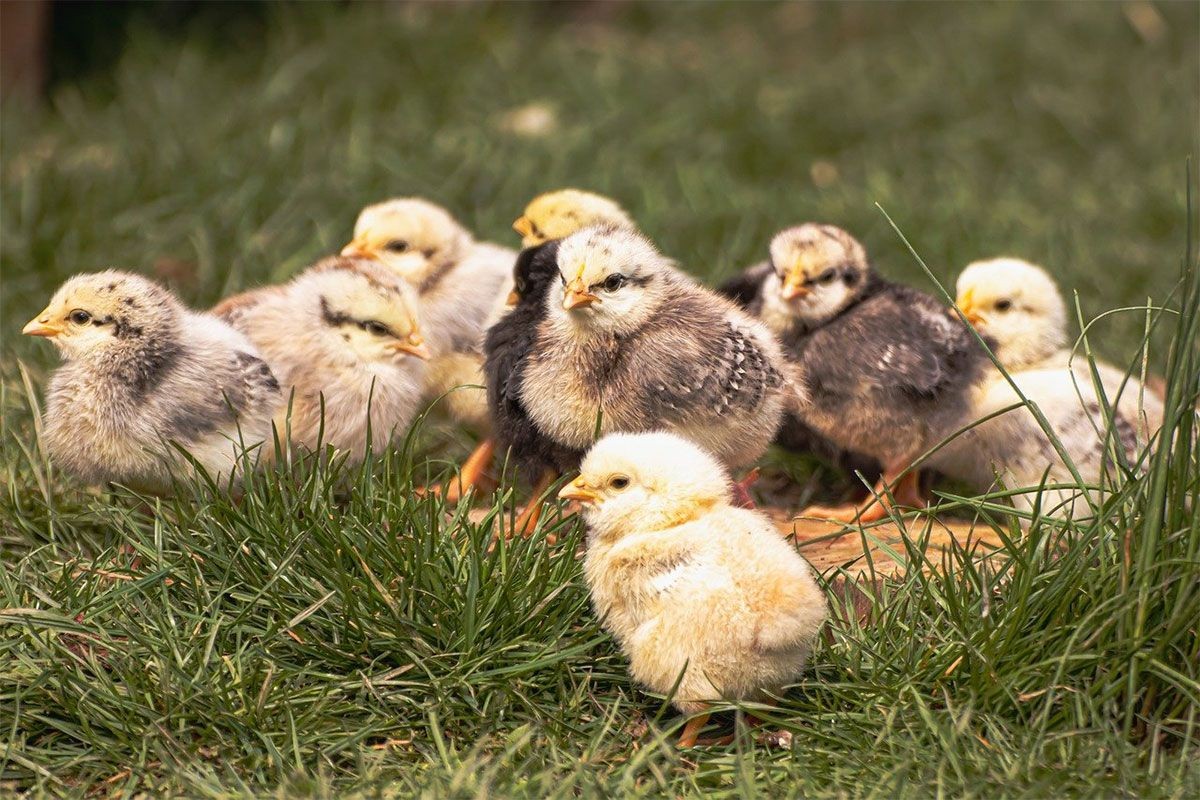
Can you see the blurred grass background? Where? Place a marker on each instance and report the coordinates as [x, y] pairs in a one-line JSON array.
[[227, 149]]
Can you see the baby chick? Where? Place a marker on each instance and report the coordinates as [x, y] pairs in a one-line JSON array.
[[558, 214], [343, 336], [461, 283], [510, 338], [629, 343], [697, 592], [143, 374], [1018, 307], [890, 372]]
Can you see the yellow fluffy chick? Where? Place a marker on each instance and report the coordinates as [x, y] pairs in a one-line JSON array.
[[558, 214], [1017, 306], [343, 337], [144, 376], [462, 285], [687, 583]]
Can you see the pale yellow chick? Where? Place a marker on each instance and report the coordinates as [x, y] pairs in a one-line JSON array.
[[686, 582], [558, 214]]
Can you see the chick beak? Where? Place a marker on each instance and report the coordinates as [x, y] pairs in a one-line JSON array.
[[355, 250], [578, 490], [413, 346], [793, 286], [523, 226], [40, 326], [514, 297], [577, 296], [967, 306]]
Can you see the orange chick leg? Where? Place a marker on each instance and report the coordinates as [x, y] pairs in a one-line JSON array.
[[905, 490], [690, 737], [527, 522], [741, 490], [472, 475]]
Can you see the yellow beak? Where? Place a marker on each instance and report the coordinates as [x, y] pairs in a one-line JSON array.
[[523, 226], [577, 296], [414, 346], [793, 286], [514, 297], [967, 306], [355, 250], [41, 326], [578, 490]]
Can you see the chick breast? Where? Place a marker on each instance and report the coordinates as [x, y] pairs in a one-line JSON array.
[[724, 597]]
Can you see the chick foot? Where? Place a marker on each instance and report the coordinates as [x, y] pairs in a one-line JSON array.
[[474, 475], [690, 737], [527, 522], [904, 491], [741, 490]]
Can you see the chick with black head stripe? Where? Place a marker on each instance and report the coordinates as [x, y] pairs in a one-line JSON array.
[[629, 344], [143, 377], [890, 372]]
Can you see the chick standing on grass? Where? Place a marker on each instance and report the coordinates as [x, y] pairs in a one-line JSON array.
[[890, 372], [462, 285], [143, 375], [547, 218], [687, 583], [343, 337], [629, 343], [1018, 307]]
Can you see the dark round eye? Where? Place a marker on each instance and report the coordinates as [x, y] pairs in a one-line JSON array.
[[613, 282], [828, 276], [80, 317], [1003, 305], [377, 328], [396, 246], [618, 482]]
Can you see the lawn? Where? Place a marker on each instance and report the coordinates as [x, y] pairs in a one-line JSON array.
[[333, 633]]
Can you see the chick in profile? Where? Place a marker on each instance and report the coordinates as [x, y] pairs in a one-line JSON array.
[[461, 283], [1017, 306], [890, 372], [510, 339], [696, 591], [343, 337], [629, 343], [143, 377], [558, 214]]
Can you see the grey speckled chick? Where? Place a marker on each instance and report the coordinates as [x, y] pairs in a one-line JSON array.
[[630, 342], [143, 372], [890, 372], [343, 337]]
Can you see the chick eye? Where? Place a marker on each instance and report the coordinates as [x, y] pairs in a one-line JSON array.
[[828, 276], [428, 252], [1003, 305], [396, 246], [613, 282], [80, 317], [618, 482], [377, 328]]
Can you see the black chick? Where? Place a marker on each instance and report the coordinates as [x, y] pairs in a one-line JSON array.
[[890, 371]]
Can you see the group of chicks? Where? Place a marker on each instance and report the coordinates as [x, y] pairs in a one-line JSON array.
[[599, 354]]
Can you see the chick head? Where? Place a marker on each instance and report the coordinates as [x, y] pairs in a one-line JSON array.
[[410, 236], [103, 312], [373, 311], [556, 215], [1017, 305], [819, 269], [611, 279], [533, 272], [646, 482]]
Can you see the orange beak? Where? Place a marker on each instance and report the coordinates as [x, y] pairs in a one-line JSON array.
[[355, 250], [523, 226], [578, 490], [413, 346], [967, 306], [40, 326], [793, 285], [514, 297], [577, 296]]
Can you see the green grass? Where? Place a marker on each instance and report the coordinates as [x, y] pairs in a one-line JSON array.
[[333, 634]]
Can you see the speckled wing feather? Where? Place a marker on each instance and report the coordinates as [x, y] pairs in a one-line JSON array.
[[745, 288], [898, 339], [698, 363]]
